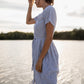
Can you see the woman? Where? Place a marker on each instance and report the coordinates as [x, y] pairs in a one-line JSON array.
[[44, 52]]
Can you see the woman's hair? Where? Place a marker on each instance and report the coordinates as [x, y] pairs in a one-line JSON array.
[[50, 1]]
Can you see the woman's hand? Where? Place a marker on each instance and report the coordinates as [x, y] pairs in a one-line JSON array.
[[39, 65], [31, 2]]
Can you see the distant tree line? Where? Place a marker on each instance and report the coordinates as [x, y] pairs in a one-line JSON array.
[[16, 36], [75, 34]]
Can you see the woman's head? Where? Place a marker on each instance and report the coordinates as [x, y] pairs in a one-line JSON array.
[[41, 3]]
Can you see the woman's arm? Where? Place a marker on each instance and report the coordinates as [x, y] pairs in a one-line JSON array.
[[48, 40], [29, 19]]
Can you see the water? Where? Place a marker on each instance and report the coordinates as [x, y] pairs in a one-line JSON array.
[[16, 61]]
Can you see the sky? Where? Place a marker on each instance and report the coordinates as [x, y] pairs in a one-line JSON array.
[[70, 15]]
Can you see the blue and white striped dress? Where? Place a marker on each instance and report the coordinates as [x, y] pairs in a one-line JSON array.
[[50, 66]]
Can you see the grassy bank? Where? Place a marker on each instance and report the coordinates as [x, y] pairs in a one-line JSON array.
[[76, 34]]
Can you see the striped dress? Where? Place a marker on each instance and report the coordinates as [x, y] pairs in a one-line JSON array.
[[50, 66]]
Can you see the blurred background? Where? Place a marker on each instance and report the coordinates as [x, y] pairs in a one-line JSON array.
[[16, 54], [70, 15]]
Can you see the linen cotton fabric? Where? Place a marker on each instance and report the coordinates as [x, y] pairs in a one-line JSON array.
[[50, 64]]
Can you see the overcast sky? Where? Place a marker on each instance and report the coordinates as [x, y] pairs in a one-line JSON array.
[[70, 15]]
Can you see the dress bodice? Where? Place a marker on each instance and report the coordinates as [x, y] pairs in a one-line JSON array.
[[42, 19]]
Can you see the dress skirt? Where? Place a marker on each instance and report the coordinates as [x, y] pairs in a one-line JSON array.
[[50, 67]]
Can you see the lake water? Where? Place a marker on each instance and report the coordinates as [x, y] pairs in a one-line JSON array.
[[16, 61]]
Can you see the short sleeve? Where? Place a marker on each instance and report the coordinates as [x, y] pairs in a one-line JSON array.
[[50, 16]]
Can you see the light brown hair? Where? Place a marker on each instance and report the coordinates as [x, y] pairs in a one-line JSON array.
[[50, 2]]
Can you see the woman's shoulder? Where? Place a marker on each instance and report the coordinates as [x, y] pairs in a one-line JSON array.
[[49, 9]]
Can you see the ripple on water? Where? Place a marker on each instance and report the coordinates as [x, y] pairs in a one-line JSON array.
[[15, 63]]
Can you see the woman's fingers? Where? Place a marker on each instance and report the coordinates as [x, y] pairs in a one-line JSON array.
[[38, 68], [39, 65]]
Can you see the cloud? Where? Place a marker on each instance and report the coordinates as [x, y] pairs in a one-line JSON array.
[[7, 22], [10, 5], [23, 5], [79, 13]]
